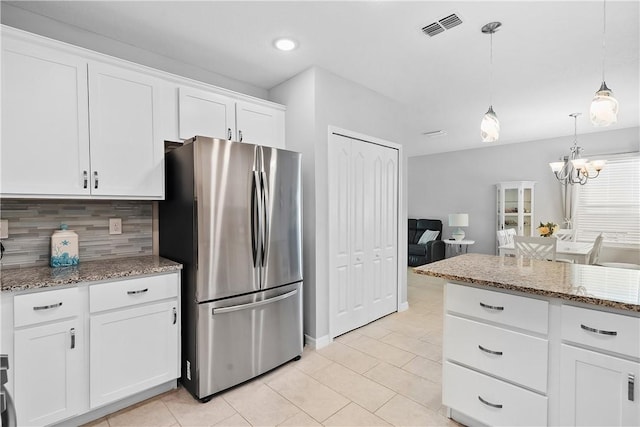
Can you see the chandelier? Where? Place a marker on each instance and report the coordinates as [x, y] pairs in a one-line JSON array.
[[573, 169]]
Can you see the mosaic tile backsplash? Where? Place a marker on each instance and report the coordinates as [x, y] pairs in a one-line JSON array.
[[31, 223]]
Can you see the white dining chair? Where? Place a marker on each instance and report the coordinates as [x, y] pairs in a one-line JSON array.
[[505, 237], [565, 235], [595, 252], [542, 248]]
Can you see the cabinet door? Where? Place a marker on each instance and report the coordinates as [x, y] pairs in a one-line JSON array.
[[132, 350], [48, 372], [127, 150], [205, 114], [596, 389], [45, 126], [259, 124]]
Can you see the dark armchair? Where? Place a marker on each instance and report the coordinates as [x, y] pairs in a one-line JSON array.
[[429, 252]]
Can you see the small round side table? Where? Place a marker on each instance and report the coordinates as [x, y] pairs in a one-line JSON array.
[[455, 247]]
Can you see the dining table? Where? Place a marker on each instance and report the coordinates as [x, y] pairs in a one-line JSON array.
[[578, 252]]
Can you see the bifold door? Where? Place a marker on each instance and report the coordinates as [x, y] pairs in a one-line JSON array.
[[363, 218]]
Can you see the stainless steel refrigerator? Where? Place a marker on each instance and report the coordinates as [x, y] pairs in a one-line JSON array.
[[232, 215]]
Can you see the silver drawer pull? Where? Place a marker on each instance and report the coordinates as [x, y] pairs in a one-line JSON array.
[[486, 350], [631, 384], [175, 315], [598, 331], [493, 405], [491, 307], [73, 338], [47, 307], [141, 291]]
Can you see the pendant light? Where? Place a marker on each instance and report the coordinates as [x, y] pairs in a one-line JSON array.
[[604, 107], [490, 125]]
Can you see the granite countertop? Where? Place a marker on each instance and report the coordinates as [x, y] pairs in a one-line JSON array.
[[611, 287], [20, 279]]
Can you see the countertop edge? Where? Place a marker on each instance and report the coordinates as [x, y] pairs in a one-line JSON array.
[[74, 278], [541, 292]]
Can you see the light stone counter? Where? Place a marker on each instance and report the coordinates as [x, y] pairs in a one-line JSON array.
[[604, 286], [20, 279]]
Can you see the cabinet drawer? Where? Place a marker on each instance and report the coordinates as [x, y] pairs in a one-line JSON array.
[[609, 331], [511, 310], [513, 356], [504, 404], [46, 306], [124, 293]]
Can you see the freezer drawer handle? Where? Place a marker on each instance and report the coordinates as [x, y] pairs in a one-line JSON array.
[[491, 307], [493, 405], [486, 350], [140, 291], [47, 307], [598, 331], [252, 304]]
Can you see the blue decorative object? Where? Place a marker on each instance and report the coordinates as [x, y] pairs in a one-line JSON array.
[[64, 247]]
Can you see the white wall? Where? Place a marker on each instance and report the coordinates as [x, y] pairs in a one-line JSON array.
[[347, 105], [464, 181], [47, 27]]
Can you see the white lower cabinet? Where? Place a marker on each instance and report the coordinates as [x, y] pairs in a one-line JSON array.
[[48, 363], [132, 350], [495, 361], [514, 360], [597, 389], [133, 345], [491, 401]]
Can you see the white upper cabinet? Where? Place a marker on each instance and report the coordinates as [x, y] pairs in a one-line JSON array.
[[217, 115], [127, 150], [45, 126], [259, 124], [68, 132], [206, 114]]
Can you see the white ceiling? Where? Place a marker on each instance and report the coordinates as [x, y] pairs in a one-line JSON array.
[[547, 55]]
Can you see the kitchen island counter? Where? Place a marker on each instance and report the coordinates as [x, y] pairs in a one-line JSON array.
[[604, 286], [27, 278]]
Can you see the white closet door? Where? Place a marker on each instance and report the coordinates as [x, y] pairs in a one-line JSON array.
[[384, 227], [363, 232]]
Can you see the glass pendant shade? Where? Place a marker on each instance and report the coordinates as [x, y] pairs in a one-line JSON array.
[[490, 126], [556, 166], [604, 107]]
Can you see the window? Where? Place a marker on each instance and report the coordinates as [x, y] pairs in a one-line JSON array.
[[610, 203]]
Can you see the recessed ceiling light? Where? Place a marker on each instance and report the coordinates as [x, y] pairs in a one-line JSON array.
[[285, 44]]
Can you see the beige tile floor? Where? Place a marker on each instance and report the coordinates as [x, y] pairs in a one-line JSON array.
[[386, 373]]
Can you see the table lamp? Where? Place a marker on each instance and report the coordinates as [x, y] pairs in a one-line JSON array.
[[458, 220]]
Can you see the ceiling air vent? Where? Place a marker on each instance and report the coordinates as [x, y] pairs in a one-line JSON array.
[[445, 23], [432, 29], [450, 21]]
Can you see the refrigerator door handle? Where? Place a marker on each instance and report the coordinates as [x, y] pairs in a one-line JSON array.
[[266, 221], [255, 218], [238, 307]]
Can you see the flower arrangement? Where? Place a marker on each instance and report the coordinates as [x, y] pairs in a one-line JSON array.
[[547, 230]]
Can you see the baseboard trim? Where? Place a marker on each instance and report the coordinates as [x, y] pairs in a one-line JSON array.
[[317, 343], [120, 404], [404, 306]]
